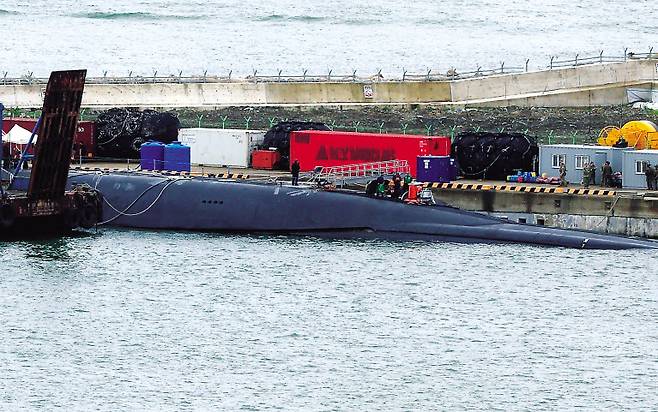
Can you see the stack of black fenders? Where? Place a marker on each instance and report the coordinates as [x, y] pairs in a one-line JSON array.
[[120, 132], [484, 155]]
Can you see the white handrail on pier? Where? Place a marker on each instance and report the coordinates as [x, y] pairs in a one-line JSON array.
[[344, 173]]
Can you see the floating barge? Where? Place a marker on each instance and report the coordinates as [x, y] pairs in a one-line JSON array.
[[47, 208]]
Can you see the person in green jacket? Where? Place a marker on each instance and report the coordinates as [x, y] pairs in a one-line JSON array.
[[587, 174], [606, 175], [563, 174]]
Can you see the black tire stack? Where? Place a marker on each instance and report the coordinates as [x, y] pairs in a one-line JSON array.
[[121, 132], [279, 137], [485, 155], [87, 209]]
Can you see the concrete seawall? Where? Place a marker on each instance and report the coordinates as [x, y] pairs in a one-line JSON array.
[[587, 85], [622, 213]]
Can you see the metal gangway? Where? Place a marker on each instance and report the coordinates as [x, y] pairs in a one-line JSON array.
[[359, 173]]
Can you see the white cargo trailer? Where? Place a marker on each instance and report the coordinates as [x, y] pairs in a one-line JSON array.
[[221, 147]]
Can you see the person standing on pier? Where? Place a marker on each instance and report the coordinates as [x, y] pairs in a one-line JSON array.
[[563, 174], [592, 170], [606, 174], [294, 170], [587, 174], [650, 174]]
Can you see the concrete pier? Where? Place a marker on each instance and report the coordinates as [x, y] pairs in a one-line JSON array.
[[584, 85], [632, 213]]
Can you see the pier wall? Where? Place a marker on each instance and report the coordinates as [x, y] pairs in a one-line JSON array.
[[616, 225], [605, 79], [632, 214], [594, 84]]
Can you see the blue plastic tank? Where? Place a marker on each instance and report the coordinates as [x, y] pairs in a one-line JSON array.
[[151, 155], [177, 157]]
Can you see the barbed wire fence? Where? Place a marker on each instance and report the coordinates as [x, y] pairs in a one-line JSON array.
[[256, 76], [429, 126], [550, 136]]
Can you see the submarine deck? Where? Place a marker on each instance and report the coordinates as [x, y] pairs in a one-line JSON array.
[[632, 212]]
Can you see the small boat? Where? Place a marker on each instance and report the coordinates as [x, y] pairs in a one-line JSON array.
[[155, 201]]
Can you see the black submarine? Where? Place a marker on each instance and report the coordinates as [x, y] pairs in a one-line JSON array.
[[156, 201]]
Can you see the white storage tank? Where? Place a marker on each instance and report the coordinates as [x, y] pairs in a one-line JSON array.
[[221, 147]]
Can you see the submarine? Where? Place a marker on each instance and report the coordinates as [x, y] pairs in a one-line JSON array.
[[156, 201]]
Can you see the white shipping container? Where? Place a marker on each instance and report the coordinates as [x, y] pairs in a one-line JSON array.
[[221, 147]]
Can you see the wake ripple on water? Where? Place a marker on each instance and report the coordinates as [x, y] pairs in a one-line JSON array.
[[283, 18], [134, 16]]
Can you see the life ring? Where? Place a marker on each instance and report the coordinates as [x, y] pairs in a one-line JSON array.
[[7, 215], [88, 216]]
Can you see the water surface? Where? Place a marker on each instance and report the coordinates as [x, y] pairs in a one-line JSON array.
[[128, 320], [170, 36]]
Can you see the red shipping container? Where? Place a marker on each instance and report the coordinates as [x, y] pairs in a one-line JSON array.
[[333, 148], [83, 136], [264, 159]]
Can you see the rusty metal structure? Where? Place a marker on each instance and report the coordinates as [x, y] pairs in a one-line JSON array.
[[59, 119], [47, 207]]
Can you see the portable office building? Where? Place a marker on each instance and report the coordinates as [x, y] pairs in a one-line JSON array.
[[634, 163], [575, 157]]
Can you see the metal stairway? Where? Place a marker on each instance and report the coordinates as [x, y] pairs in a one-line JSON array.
[[359, 173]]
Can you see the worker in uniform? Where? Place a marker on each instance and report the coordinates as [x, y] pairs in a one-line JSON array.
[[294, 170], [592, 173], [397, 186], [391, 188], [563, 174], [650, 174], [402, 187], [606, 174], [587, 174], [381, 187]]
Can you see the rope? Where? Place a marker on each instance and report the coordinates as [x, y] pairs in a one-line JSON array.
[[609, 212], [123, 212]]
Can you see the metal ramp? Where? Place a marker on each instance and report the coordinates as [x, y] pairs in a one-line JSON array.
[[59, 119], [360, 173]]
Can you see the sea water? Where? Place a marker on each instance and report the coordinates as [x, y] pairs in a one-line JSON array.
[[193, 36], [142, 320]]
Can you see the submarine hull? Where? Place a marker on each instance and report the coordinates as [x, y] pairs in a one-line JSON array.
[[203, 204]]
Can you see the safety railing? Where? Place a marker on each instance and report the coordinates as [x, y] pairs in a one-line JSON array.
[[344, 173], [431, 74]]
